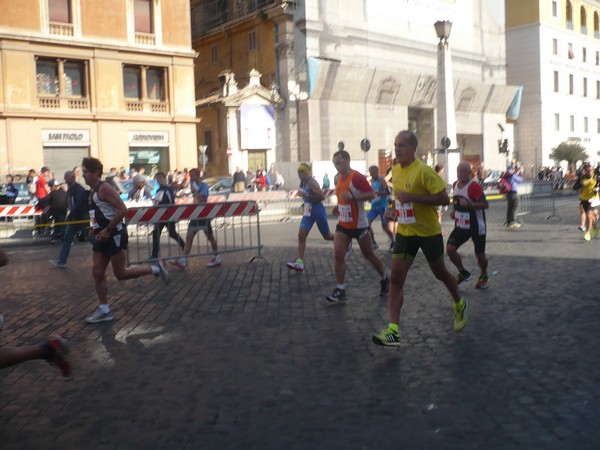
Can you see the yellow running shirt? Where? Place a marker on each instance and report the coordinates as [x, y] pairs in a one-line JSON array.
[[587, 188], [417, 219]]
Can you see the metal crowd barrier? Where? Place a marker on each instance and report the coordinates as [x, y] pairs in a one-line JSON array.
[[236, 227], [537, 197]]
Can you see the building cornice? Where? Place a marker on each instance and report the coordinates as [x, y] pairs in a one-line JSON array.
[[95, 45]]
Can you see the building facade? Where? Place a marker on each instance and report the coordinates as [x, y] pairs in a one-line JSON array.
[[553, 51], [348, 70], [112, 79]]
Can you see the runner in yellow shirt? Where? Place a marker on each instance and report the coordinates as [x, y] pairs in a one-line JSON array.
[[418, 190]]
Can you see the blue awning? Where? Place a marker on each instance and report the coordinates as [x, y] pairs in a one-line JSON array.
[[313, 72], [515, 106]]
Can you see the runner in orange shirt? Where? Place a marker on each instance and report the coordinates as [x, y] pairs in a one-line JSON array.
[[352, 190]]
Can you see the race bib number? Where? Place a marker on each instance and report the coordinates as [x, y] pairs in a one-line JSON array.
[[93, 221], [307, 210], [345, 213], [406, 213], [462, 219]]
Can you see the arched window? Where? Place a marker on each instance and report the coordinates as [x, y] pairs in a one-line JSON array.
[[569, 15], [583, 20], [596, 25]]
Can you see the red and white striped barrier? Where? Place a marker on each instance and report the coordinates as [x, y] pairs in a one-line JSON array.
[[326, 192], [155, 214], [190, 200], [257, 196], [19, 210]]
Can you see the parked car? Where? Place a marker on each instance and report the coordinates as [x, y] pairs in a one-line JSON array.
[[23, 197], [219, 185], [493, 176], [491, 181]]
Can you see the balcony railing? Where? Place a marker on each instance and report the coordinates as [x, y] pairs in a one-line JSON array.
[[61, 29], [145, 38], [147, 106], [67, 103]]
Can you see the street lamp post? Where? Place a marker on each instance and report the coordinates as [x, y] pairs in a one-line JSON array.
[[446, 115]]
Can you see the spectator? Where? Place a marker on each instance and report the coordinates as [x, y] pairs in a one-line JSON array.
[[279, 181], [77, 199], [113, 179], [11, 191], [239, 180], [250, 177], [513, 176], [140, 189], [326, 182]]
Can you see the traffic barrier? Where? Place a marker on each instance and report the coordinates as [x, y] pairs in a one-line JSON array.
[[536, 197], [235, 224], [17, 217]]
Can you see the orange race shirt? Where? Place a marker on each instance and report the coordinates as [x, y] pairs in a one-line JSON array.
[[352, 212]]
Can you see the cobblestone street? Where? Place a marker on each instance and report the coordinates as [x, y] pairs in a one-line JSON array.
[[250, 355]]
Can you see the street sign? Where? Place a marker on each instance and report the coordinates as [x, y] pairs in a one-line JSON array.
[[365, 145], [229, 151]]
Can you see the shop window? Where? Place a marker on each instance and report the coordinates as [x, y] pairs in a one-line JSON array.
[[62, 83], [144, 88]]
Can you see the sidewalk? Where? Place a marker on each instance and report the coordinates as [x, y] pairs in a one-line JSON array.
[[250, 356]]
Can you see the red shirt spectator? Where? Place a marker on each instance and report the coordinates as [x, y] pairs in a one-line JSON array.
[[41, 184]]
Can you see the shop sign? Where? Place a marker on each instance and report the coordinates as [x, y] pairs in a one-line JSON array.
[[148, 138], [66, 138]]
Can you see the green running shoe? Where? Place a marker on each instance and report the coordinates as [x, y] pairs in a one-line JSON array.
[[460, 315], [388, 338]]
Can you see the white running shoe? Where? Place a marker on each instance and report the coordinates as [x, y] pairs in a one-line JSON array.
[[100, 316], [216, 261], [163, 272], [296, 265]]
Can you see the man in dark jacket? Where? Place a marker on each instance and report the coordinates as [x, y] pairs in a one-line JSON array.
[[164, 196], [79, 217], [55, 207]]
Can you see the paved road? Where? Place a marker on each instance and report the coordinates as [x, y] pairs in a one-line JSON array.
[[250, 356]]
